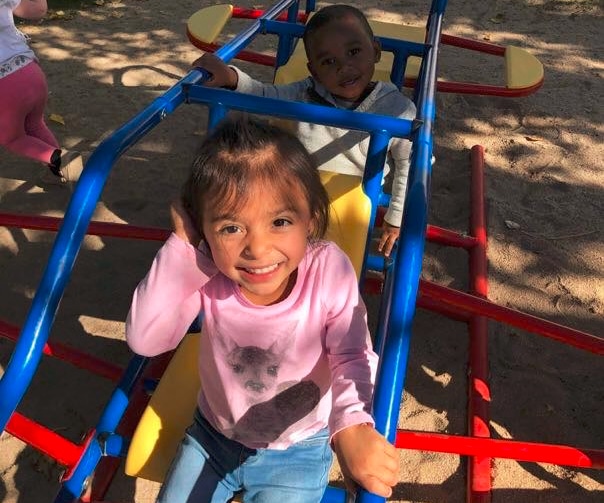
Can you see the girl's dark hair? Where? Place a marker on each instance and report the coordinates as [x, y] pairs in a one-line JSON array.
[[332, 13], [242, 151]]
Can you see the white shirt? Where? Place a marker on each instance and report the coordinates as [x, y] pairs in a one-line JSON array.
[[15, 52]]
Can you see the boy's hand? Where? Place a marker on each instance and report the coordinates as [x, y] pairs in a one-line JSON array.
[[388, 238], [183, 225], [221, 75], [366, 458]]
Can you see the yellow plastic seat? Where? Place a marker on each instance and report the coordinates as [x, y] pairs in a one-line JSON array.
[[522, 69], [167, 415], [170, 409], [207, 23]]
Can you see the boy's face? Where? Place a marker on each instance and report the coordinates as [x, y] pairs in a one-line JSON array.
[[342, 57]]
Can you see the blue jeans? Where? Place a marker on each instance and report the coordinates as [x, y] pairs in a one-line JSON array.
[[210, 468]]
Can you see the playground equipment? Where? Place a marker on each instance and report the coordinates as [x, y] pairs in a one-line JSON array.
[[93, 462], [523, 71]]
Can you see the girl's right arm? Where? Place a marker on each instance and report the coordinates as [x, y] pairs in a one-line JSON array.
[[31, 9], [168, 299]]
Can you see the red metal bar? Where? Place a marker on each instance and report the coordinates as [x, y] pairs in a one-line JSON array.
[[66, 453], [70, 355], [108, 229], [243, 13], [448, 237], [473, 45], [245, 55], [479, 393], [533, 324], [505, 449], [440, 308]]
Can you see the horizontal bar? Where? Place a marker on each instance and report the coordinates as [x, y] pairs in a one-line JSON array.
[[108, 229], [70, 355], [65, 453], [448, 237], [533, 324], [498, 448]]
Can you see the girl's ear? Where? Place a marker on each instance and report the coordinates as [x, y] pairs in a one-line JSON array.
[[311, 228], [377, 49]]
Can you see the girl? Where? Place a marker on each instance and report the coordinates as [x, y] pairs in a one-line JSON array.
[[285, 358], [23, 95]]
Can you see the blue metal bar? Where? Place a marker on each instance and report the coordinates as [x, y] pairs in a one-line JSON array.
[[105, 442], [334, 495], [34, 334], [286, 41], [394, 354], [372, 183], [300, 111]]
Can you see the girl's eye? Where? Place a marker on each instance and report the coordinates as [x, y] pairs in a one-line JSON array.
[[281, 222], [355, 51], [229, 229], [328, 61]]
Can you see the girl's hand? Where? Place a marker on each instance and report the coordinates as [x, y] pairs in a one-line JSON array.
[[366, 458], [388, 239], [183, 225], [221, 75]]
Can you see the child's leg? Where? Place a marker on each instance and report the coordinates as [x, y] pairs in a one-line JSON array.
[[23, 131], [298, 474], [204, 466]]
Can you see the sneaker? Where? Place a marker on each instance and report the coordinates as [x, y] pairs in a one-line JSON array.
[[71, 166]]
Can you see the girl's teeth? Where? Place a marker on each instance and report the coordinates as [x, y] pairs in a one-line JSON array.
[[263, 270]]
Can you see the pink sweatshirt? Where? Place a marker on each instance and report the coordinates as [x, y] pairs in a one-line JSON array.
[[272, 375]]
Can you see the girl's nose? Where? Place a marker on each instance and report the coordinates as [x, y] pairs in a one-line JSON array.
[[256, 245]]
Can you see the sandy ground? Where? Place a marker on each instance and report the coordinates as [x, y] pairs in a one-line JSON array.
[[544, 153]]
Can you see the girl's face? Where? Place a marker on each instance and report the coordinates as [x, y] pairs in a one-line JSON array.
[[260, 246], [342, 57]]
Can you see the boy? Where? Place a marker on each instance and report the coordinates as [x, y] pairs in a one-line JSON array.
[[342, 52]]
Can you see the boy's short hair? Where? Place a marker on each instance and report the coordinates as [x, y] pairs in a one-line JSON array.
[[332, 13]]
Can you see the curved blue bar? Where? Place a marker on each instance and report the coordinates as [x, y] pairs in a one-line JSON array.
[[402, 292], [105, 441], [34, 333]]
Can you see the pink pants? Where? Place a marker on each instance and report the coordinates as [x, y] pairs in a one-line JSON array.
[[23, 96]]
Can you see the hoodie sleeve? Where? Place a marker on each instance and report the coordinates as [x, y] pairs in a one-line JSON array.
[[168, 299], [294, 91], [400, 152]]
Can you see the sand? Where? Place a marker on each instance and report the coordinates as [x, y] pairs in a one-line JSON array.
[[107, 61]]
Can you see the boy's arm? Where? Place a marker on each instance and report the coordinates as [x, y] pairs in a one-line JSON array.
[[231, 77], [400, 152], [31, 9]]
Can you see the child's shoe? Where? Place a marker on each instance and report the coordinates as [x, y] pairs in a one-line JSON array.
[[67, 167]]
